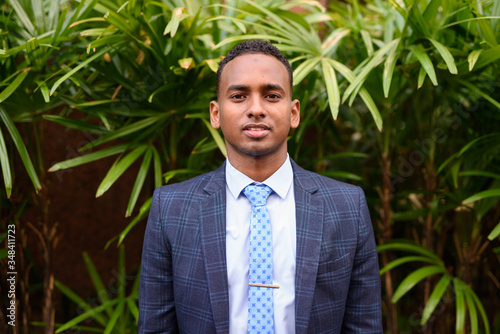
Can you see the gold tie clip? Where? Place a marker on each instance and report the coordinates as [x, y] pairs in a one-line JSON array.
[[264, 285]]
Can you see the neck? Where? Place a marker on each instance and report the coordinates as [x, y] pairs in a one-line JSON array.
[[258, 168]]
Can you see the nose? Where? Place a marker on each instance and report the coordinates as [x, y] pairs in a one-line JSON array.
[[256, 107]]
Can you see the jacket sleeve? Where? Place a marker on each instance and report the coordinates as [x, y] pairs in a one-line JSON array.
[[363, 313], [156, 298]]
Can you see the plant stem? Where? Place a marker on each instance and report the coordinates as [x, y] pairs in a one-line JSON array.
[[392, 325]]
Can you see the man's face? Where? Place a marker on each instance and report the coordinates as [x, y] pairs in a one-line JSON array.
[[254, 109]]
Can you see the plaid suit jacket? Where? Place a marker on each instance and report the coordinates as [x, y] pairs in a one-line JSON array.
[[183, 284]]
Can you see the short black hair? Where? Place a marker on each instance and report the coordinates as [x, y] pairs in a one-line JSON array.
[[255, 47]]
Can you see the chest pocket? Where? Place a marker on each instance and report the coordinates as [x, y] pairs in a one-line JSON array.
[[334, 266]]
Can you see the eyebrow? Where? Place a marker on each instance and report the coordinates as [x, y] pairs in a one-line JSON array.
[[262, 87]]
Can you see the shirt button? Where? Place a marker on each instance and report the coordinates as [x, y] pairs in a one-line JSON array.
[[234, 233]]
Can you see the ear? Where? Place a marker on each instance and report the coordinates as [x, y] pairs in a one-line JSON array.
[[214, 115], [295, 117]]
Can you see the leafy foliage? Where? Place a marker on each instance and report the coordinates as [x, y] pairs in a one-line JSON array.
[[410, 86], [116, 315]]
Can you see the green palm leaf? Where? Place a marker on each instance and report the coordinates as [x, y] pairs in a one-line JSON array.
[[304, 69], [411, 280], [473, 57], [435, 298], [5, 164], [446, 54], [460, 305], [389, 66], [21, 148], [79, 67], [88, 314], [126, 130], [474, 323], [4, 95], [332, 88], [118, 168], [94, 156], [408, 246], [96, 279], [139, 181], [421, 77], [217, 137], [365, 70], [82, 303], [426, 62], [481, 195], [110, 326], [363, 93], [481, 310], [495, 232], [395, 263]]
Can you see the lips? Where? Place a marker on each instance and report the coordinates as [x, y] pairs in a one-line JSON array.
[[256, 130]]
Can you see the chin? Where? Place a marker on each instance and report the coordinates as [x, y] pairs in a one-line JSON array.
[[258, 153]]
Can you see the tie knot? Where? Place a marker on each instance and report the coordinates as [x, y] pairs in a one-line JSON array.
[[257, 193]]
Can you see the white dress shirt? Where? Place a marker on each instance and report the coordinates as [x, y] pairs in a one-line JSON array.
[[281, 207]]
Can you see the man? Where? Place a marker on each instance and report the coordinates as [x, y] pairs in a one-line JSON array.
[[203, 235]]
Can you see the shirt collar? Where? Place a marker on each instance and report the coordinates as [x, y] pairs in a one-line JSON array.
[[279, 182]]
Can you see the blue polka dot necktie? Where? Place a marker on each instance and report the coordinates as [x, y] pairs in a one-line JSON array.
[[260, 299]]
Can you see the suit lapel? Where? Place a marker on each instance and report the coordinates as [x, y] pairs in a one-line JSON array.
[[309, 229], [213, 240]]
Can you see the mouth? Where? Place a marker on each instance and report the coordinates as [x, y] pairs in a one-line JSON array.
[[256, 130]]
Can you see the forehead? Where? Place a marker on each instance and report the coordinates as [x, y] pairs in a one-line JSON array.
[[251, 69]]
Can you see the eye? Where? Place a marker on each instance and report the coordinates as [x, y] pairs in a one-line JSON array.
[[273, 97], [237, 96]]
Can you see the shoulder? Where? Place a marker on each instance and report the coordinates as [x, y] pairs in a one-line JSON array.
[[186, 186], [323, 184]]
